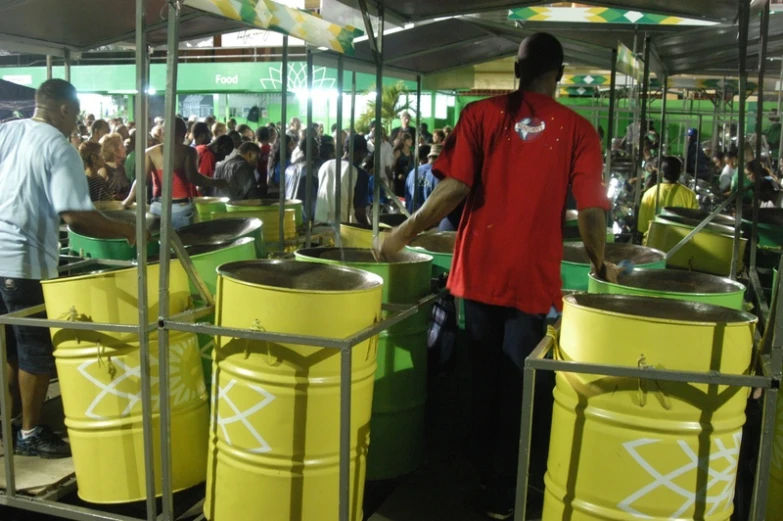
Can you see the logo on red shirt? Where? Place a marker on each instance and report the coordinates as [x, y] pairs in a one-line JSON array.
[[530, 129]]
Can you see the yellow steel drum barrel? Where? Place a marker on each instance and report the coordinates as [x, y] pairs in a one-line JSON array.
[[109, 297], [255, 204], [274, 436], [270, 215], [100, 382], [624, 448], [709, 251], [206, 206], [359, 235]]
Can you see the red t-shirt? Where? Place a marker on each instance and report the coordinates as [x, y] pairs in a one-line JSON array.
[[207, 160], [181, 187], [518, 154]]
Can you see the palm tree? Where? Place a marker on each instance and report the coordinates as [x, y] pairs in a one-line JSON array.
[[394, 100]]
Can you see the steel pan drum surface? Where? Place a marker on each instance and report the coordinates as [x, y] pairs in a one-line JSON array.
[[222, 231], [575, 267], [698, 216], [675, 284], [440, 246]]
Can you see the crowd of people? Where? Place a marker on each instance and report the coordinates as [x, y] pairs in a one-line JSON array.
[[719, 176], [508, 287], [235, 161]]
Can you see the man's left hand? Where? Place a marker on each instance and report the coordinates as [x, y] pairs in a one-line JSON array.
[[608, 273]]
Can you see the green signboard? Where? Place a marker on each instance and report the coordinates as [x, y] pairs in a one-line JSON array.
[[195, 77]]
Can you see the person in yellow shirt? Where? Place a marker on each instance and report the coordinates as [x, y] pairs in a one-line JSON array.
[[672, 194]]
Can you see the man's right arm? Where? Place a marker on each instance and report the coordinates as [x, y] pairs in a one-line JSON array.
[[459, 164], [592, 201], [95, 224]]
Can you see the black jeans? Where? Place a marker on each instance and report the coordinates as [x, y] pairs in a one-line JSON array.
[[30, 347], [500, 339]]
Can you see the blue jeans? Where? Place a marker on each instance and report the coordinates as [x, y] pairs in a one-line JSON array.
[[499, 340], [30, 347], [182, 214]]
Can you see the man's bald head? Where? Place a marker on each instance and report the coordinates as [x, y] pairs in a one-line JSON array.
[[538, 54]]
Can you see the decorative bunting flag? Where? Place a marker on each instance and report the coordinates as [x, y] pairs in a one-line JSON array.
[[270, 15], [600, 15]]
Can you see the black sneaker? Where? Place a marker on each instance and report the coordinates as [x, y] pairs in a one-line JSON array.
[[44, 443]]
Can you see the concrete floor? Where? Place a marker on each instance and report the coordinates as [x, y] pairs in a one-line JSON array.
[[446, 487]]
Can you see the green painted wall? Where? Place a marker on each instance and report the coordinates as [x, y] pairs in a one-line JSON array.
[[194, 77]]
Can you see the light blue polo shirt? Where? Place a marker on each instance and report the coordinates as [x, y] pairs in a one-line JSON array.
[[41, 176]]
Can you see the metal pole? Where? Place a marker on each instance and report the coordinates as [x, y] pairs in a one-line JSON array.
[[715, 124], [768, 432], [169, 149], [418, 137], [338, 195], [780, 88], [49, 67], [724, 94], [642, 127], [633, 99], [696, 166], [5, 414], [525, 435], [780, 116], [744, 22], [283, 142], [309, 151], [345, 434], [610, 127], [142, 103], [660, 143], [379, 173], [350, 149], [764, 461], [685, 146], [763, 31], [67, 58]]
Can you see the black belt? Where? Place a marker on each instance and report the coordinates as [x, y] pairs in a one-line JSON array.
[[174, 201]]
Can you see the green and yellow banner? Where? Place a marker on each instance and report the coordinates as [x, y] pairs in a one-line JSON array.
[[628, 63], [597, 15], [272, 16]]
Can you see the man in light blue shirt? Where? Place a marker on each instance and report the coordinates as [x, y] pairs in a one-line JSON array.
[[41, 180], [424, 183]]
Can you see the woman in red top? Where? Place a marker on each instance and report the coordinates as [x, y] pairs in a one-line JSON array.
[[186, 179]]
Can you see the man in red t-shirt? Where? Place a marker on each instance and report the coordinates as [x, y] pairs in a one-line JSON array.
[[209, 154], [513, 157]]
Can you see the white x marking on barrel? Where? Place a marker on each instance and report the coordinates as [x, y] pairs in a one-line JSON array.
[[242, 416], [727, 476]]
